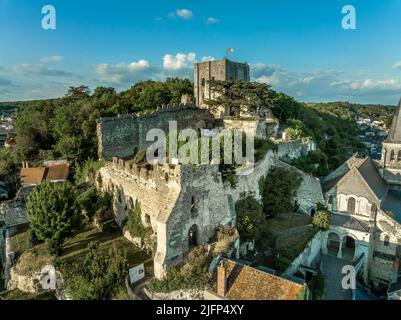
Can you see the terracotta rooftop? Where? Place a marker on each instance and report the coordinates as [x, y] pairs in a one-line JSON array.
[[57, 172], [247, 283], [52, 173], [32, 175]]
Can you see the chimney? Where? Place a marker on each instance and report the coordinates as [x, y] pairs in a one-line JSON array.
[[221, 279]]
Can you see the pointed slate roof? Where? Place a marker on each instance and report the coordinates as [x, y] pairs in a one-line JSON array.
[[395, 130]]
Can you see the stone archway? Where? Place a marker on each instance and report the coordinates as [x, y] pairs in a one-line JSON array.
[[193, 237], [349, 246], [333, 244]]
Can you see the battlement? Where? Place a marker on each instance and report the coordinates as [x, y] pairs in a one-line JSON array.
[[162, 173], [157, 172], [148, 114], [123, 136]]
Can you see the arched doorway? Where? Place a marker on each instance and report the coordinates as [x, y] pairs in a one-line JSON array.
[[193, 237], [333, 244], [349, 248]]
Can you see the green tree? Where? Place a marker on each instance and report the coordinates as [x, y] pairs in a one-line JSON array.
[[279, 190], [322, 219], [78, 92], [134, 223], [8, 162], [54, 214], [249, 218], [100, 277], [241, 96]]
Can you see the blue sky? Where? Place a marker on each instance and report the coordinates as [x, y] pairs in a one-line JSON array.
[[297, 46]]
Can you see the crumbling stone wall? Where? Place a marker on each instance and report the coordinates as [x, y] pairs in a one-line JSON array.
[[252, 125], [173, 199], [124, 136]]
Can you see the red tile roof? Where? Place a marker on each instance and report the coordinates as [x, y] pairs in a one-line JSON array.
[[31, 176], [247, 283], [57, 172]]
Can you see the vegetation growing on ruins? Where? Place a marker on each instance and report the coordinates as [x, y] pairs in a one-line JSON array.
[[279, 190], [86, 171], [100, 277], [66, 127], [240, 96], [193, 274], [333, 129], [250, 219], [94, 202], [134, 222], [54, 214]]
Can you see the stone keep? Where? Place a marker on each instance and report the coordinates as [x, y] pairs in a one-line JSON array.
[[217, 70]]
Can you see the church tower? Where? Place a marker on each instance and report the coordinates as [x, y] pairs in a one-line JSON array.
[[391, 154]]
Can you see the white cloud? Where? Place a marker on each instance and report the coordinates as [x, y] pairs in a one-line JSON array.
[[52, 59], [369, 85], [328, 85], [212, 20], [179, 61], [40, 69], [208, 58], [397, 65], [124, 72], [182, 14]]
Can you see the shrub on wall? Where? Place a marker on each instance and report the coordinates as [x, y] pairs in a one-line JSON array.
[[94, 202], [134, 222], [322, 220], [101, 276], [193, 274]]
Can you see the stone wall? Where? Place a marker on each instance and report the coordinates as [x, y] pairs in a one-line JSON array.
[[173, 199], [14, 212], [254, 126], [309, 192], [383, 255], [178, 198], [289, 150], [309, 256], [124, 136], [176, 295]]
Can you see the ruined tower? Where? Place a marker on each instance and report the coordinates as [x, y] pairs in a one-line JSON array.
[[216, 70], [391, 155]]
